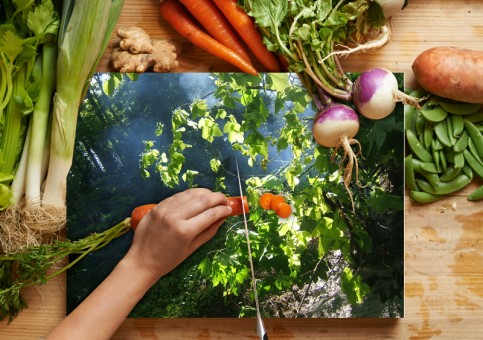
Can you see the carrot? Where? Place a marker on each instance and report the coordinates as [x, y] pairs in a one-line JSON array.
[[211, 18], [138, 213], [283, 210], [179, 19], [236, 205], [275, 201], [265, 200], [247, 30]]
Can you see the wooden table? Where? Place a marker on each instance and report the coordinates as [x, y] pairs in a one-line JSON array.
[[444, 241]]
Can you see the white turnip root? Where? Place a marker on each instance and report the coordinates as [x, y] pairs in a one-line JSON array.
[[392, 7], [336, 126], [376, 93]]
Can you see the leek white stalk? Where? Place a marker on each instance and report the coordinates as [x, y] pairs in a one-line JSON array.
[[85, 30]]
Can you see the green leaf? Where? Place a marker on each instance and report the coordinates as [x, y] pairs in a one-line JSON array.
[[384, 202], [43, 21], [11, 45], [215, 165], [353, 286], [269, 13]]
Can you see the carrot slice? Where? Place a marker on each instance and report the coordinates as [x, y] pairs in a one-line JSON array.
[[211, 18], [265, 200], [275, 201], [180, 20], [283, 210], [247, 30], [236, 203]]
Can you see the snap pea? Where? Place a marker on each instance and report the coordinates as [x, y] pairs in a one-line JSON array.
[[435, 115], [424, 197], [429, 167], [475, 135], [458, 124], [476, 194], [475, 117], [442, 161], [409, 176], [436, 144], [417, 148], [428, 133], [468, 171], [437, 160], [459, 108], [473, 163], [444, 188], [450, 174], [474, 152], [441, 130], [459, 160], [419, 124], [432, 178], [462, 142], [409, 117], [449, 129]]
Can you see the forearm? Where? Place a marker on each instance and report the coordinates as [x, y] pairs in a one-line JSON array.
[[103, 311]]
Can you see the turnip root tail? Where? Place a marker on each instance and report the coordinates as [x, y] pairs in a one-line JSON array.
[[406, 99], [383, 37], [352, 158]]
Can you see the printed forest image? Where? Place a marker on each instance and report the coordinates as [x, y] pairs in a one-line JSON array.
[[143, 138]]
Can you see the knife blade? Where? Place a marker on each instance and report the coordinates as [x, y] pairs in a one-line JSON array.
[[260, 325]]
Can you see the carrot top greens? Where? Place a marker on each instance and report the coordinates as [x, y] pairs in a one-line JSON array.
[[307, 33]]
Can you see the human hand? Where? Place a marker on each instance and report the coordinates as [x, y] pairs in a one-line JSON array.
[[175, 228]]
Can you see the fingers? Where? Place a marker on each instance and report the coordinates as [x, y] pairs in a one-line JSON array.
[[206, 235], [192, 202]]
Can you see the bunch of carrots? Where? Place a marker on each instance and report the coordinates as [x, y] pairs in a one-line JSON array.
[[221, 28]]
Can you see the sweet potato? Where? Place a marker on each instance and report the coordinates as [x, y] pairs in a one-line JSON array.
[[451, 72]]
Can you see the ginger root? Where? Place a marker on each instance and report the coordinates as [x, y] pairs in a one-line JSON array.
[[131, 55]]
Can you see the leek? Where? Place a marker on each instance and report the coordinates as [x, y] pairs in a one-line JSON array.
[[86, 27]]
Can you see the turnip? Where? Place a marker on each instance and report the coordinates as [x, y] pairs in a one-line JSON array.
[[392, 7], [335, 126], [376, 93]]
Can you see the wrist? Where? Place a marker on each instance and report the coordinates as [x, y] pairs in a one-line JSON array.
[[134, 264]]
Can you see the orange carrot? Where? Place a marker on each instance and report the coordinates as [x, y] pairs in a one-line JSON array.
[[265, 200], [247, 30], [179, 19], [138, 213], [211, 18], [284, 210], [237, 204]]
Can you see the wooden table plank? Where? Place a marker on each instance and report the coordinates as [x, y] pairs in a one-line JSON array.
[[443, 241]]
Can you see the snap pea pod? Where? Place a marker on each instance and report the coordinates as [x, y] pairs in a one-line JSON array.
[[431, 177], [458, 124], [424, 197], [428, 133], [476, 194], [459, 160], [475, 117], [459, 108], [409, 173], [442, 161], [462, 142], [450, 131], [409, 117], [438, 114], [441, 130], [417, 148], [474, 152], [475, 135], [450, 174], [473, 163], [468, 171], [437, 160], [444, 188]]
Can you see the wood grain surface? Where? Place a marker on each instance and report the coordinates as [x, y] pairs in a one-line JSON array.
[[443, 241]]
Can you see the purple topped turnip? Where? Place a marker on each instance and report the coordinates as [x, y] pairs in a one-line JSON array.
[[376, 93], [335, 126]]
